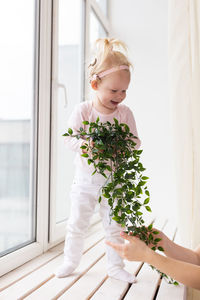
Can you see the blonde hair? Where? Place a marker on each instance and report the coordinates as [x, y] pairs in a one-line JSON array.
[[109, 52]]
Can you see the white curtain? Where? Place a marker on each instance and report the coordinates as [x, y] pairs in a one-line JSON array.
[[184, 73]]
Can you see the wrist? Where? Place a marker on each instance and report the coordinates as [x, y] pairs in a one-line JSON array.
[[162, 243], [149, 256]]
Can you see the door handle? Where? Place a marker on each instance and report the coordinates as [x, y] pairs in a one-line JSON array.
[[62, 86]]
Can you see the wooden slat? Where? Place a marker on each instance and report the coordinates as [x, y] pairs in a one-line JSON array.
[[94, 235], [159, 223], [167, 290], [31, 281], [116, 288], [87, 284], [19, 273], [113, 289], [170, 229], [147, 279], [145, 288], [56, 286], [38, 277], [35, 280]]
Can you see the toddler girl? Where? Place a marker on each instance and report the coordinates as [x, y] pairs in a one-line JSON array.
[[109, 78]]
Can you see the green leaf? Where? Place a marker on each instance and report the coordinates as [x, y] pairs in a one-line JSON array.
[[127, 129], [147, 193], [99, 199], [85, 155], [157, 240], [145, 178], [150, 237], [104, 175], [116, 121], [109, 168], [160, 248], [85, 122], [65, 134], [139, 213], [153, 248], [148, 208], [146, 201], [90, 161], [117, 219], [150, 226], [139, 151], [156, 232], [94, 172], [97, 120], [141, 183], [70, 131], [106, 195], [83, 147]]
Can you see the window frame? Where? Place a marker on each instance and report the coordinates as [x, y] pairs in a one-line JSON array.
[[57, 231], [23, 254]]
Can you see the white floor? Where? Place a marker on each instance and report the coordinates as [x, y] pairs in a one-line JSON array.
[[35, 280]]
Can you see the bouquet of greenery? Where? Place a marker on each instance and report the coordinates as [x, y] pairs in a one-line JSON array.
[[111, 150]]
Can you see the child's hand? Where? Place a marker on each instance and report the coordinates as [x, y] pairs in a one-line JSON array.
[[91, 145]]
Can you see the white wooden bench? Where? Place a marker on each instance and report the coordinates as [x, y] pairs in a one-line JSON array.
[[35, 280]]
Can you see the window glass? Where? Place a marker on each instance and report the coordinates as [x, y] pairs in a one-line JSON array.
[[17, 51], [96, 29], [70, 81], [103, 5]]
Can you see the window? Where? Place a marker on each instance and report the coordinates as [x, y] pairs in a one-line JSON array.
[[96, 28], [43, 53], [17, 124]]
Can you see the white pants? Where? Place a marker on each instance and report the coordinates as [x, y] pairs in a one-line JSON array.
[[84, 197]]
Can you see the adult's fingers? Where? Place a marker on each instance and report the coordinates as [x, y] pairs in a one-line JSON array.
[[117, 247], [132, 239], [127, 237]]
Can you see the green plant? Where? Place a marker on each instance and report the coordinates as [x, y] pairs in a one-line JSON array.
[[112, 153]]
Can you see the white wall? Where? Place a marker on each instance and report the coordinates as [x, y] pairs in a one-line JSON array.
[[142, 25]]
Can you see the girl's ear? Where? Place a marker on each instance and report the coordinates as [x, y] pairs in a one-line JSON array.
[[94, 84]]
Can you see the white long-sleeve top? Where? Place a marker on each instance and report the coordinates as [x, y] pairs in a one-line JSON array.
[[85, 111]]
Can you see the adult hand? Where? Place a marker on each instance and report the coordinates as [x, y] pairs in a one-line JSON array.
[[134, 250], [161, 236]]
